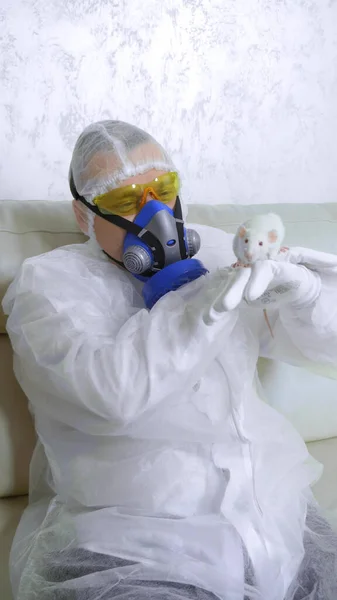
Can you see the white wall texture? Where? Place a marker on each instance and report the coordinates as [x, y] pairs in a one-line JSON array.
[[242, 92]]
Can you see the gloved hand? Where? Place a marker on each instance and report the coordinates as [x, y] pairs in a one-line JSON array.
[[291, 279]]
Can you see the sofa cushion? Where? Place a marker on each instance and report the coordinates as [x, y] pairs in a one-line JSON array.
[[17, 437], [308, 225], [10, 513], [325, 490], [306, 397], [30, 228]]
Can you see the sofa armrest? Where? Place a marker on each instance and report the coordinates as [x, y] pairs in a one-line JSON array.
[[10, 512]]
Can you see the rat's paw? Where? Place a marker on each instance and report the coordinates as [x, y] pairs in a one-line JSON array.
[[239, 264]]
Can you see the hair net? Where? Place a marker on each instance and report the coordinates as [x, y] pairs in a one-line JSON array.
[[107, 152]]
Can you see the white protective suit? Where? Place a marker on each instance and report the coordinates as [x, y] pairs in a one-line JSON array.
[[153, 444]]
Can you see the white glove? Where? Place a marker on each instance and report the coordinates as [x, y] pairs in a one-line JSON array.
[[291, 279]]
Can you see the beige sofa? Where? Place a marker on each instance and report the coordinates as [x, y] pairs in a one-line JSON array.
[[31, 228]]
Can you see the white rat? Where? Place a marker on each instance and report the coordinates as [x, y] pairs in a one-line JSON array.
[[259, 238]]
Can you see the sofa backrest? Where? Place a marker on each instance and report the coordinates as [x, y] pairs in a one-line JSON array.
[[26, 229], [30, 228]]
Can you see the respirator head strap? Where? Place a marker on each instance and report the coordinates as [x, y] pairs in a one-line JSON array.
[[178, 215], [118, 262]]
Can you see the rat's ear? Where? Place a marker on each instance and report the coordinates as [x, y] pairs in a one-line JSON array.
[[272, 236], [242, 231]]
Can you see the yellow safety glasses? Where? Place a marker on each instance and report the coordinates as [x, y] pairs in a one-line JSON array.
[[130, 199]]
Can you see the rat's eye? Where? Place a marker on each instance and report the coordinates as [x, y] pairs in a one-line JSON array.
[[246, 241], [260, 243]]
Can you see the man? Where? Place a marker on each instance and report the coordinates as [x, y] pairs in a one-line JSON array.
[[158, 472]]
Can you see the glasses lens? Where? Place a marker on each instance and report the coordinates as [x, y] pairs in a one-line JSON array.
[[125, 201]]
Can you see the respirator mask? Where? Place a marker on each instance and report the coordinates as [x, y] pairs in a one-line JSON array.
[[158, 249]]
